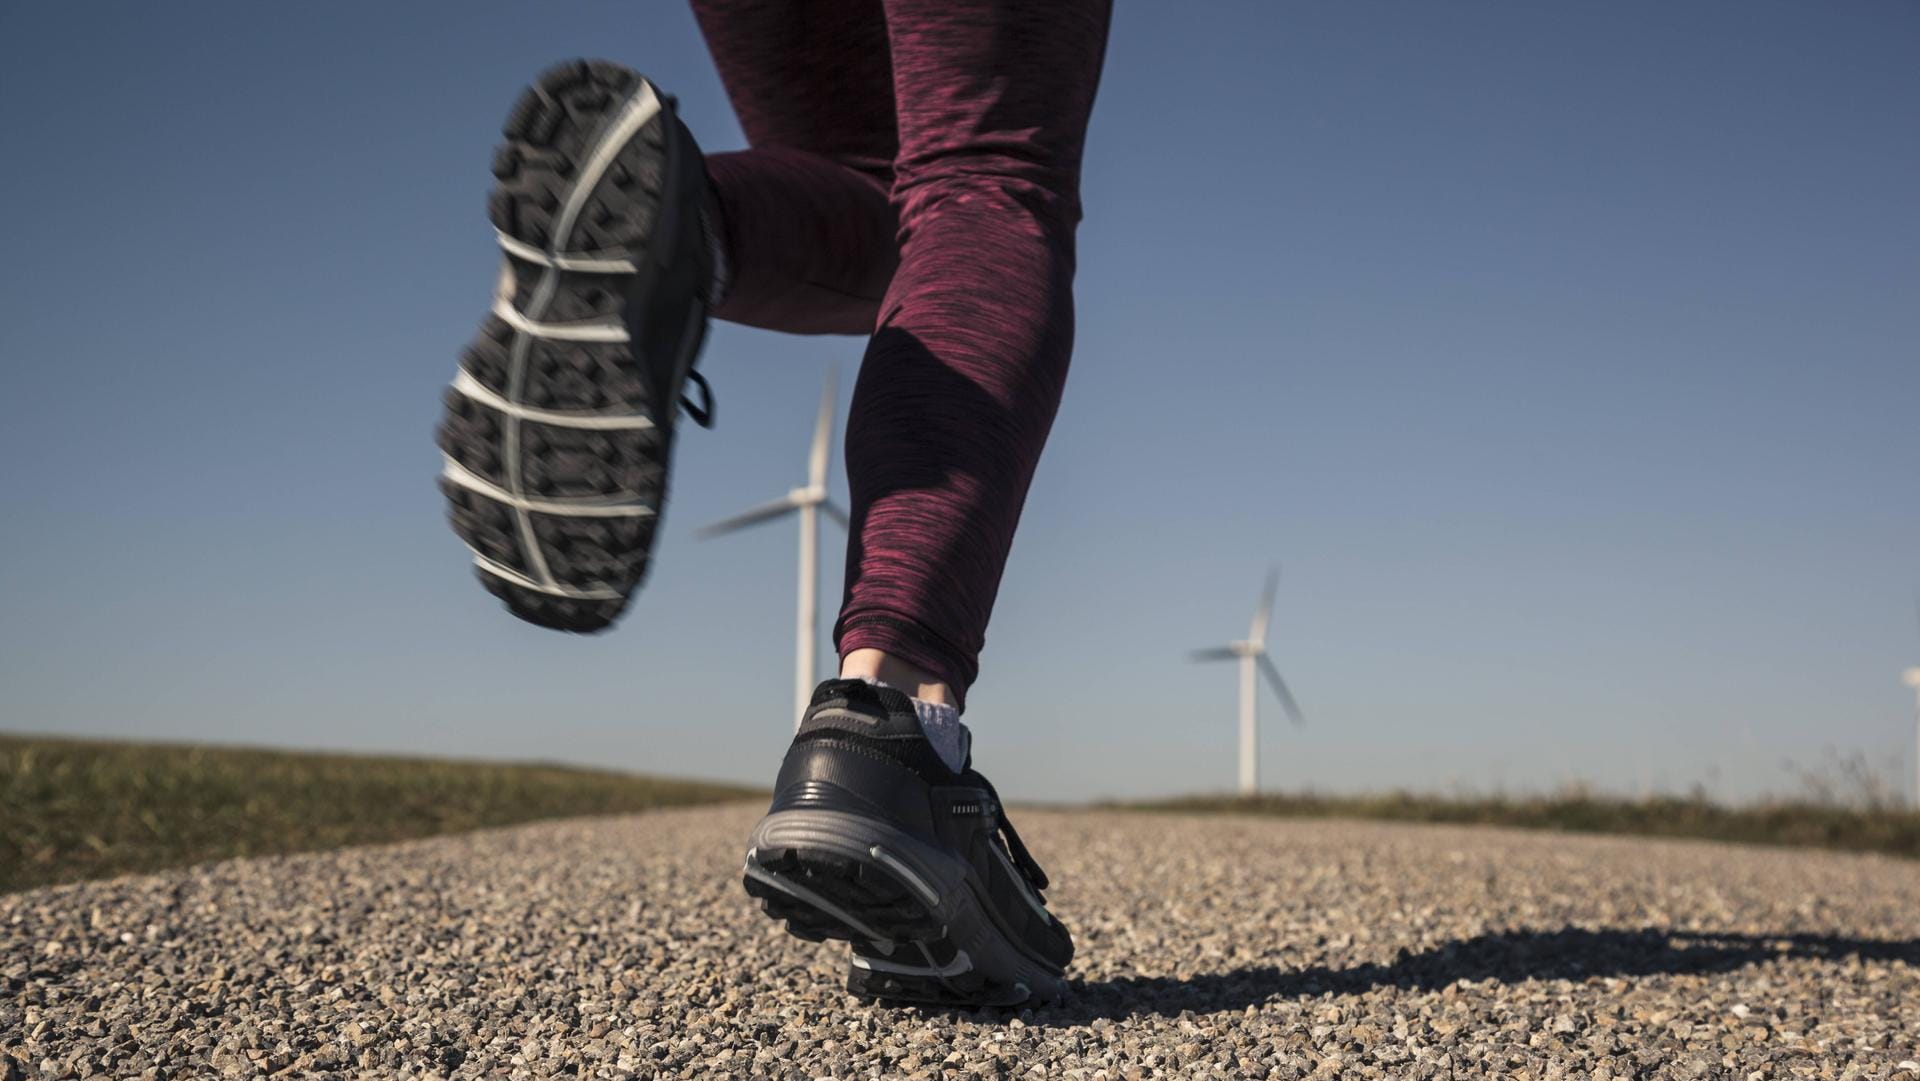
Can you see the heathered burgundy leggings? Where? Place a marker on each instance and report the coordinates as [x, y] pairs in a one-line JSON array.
[[915, 176]]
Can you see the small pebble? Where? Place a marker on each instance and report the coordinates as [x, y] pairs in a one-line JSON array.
[[1208, 947]]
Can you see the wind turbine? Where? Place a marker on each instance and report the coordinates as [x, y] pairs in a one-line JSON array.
[[1251, 652], [1912, 679], [810, 501]]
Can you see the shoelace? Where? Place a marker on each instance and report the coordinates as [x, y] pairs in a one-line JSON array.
[[1016, 848], [702, 414], [1022, 858]]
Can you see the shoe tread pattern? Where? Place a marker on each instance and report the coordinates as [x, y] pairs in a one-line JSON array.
[[549, 133], [889, 907]]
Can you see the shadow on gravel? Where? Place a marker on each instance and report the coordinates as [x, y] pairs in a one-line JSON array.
[[1511, 957]]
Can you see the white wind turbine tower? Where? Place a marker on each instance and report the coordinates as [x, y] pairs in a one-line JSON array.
[[1252, 652], [810, 501], [1912, 678]]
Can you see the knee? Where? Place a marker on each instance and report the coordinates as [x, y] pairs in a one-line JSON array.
[[988, 185]]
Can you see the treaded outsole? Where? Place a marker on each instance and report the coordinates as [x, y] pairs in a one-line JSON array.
[[550, 128], [966, 992], [893, 925]]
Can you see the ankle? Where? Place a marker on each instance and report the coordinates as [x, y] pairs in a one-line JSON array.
[[882, 667]]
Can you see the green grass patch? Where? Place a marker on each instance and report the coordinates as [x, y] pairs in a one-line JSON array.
[[1801, 823], [74, 809]]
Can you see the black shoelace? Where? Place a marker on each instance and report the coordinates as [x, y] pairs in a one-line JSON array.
[[1016, 848], [1022, 858], [702, 414]]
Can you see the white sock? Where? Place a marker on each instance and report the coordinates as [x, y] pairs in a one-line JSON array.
[[942, 726]]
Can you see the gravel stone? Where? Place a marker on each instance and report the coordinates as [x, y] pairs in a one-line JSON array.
[[1210, 947]]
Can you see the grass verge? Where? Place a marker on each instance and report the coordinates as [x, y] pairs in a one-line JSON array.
[[75, 809], [1817, 825]]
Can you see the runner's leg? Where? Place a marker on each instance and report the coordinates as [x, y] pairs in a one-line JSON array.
[[965, 370], [808, 228]]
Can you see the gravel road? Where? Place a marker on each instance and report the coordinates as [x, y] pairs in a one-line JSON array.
[[1209, 947]]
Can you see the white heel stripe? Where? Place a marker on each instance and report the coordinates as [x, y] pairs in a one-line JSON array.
[[607, 331], [590, 507], [794, 889], [588, 264], [642, 107], [472, 388], [552, 589], [960, 965], [894, 864]]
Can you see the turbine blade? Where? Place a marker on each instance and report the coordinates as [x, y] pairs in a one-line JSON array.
[[1280, 688], [822, 436], [1258, 635], [1217, 653], [752, 517], [833, 511]]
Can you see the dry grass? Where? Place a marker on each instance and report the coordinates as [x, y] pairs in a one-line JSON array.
[[1804, 822], [72, 809]]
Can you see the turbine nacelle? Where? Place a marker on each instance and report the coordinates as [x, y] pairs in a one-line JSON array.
[[1230, 651]]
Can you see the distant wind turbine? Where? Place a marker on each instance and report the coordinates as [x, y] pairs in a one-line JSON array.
[[1912, 678], [810, 501], [1252, 652]]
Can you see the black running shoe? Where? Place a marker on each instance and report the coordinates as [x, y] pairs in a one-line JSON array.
[[872, 839], [559, 425]]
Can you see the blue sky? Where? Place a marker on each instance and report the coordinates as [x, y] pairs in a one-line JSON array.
[[1567, 357]]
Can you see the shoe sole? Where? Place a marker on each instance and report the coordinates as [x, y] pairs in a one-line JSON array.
[[920, 933], [556, 440]]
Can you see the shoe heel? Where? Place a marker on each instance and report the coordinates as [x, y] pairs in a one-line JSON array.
[[823, 893]]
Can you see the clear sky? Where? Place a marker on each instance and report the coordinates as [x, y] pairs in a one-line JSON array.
[[1566, 356]]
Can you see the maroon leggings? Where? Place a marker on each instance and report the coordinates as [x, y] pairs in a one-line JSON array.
[[915, 176]]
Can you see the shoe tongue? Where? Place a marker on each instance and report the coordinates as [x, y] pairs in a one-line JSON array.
[[852, 705]]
